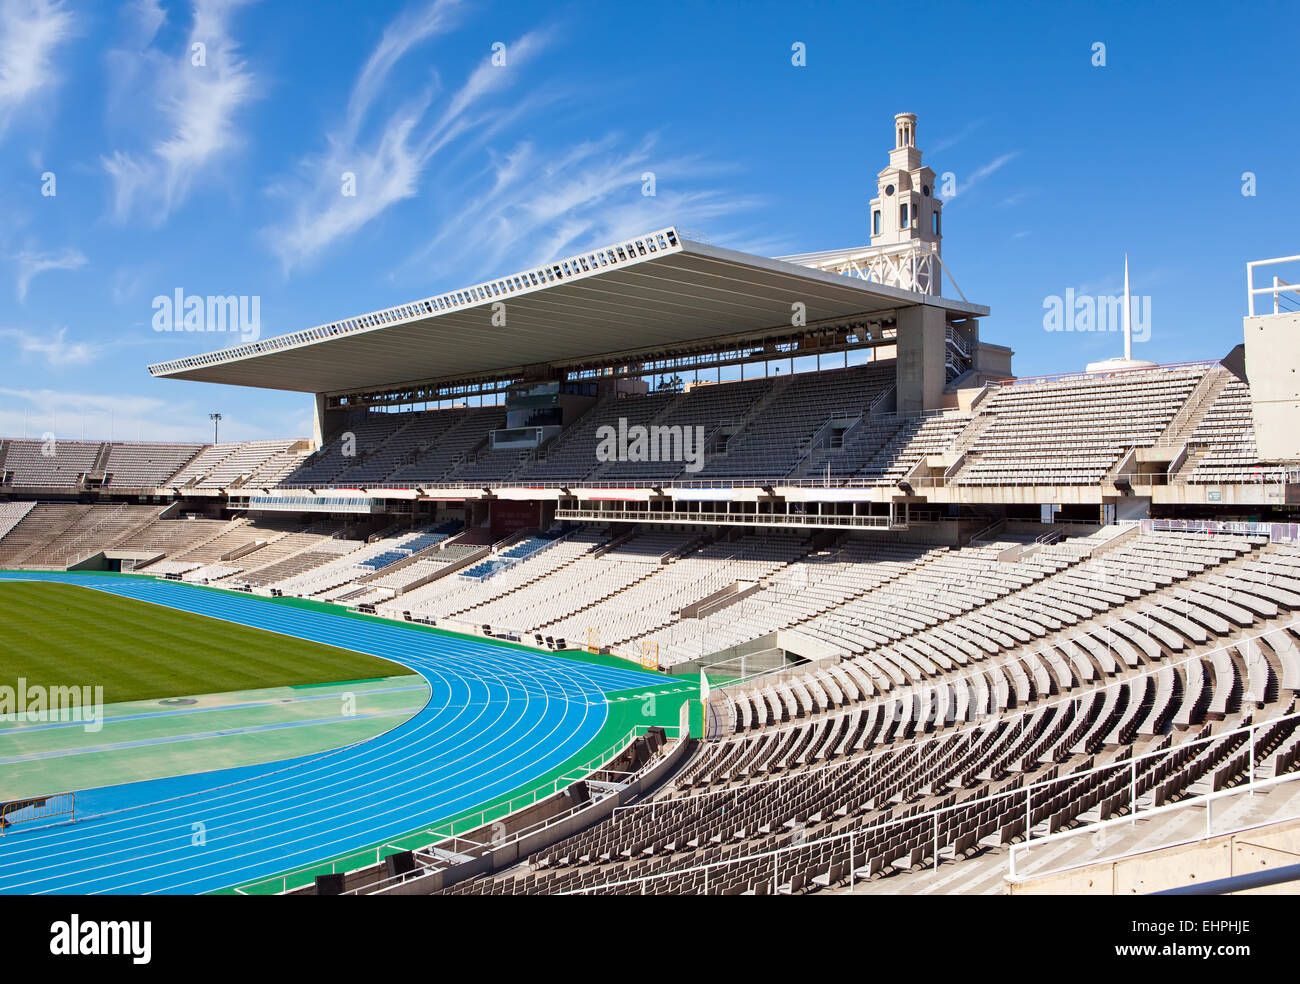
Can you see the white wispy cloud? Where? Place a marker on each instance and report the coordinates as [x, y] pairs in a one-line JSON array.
[[32, 264], [196, 108], [53, 348], [408, 31], [30, 32], [967, 182], [387, 157], [956, 138], [539, 206], [514, 206]]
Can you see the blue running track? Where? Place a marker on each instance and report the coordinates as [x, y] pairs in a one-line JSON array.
[[497, 718]]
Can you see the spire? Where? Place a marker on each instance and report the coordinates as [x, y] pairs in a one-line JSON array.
[[1128, 325], [1127, 362]]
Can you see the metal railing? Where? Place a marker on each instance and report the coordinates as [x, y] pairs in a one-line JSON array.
[[1068, 376], [723, 518], [853, 837], [35, 808], [1276, 532], [1279, 288], [1204, 801]]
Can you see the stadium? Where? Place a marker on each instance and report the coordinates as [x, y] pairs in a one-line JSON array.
[[666, 568]]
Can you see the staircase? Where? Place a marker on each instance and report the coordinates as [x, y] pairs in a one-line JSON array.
[[664, 411], [776, 389], [955, 458], [1186, 420], [1180, 430], [94, 478]]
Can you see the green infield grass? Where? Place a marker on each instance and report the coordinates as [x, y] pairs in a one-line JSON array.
[[64, 635]]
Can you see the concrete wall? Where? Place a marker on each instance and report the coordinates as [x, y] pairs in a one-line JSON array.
[[993, 361], [1226, 856], [1273, 368]]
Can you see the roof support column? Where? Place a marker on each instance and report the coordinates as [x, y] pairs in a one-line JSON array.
[[921, 347], [318, 423]]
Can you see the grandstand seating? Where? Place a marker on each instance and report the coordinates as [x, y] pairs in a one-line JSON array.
[[519, 551], [219, 466], [178, 535], [53, 464], [573, 454], [1223, 443], [1071, 431], [1063, 431], [285, 554], [42, 524], [1065, 729], [705, 406], [469, 430], [887, 448], [569, 588], [348, 562], [13, 513], [59, 534], [244, 460], [652, 602], [456, 595], [145, 465], [771, 443]]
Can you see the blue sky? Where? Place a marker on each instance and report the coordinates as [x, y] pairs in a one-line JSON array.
[[226, 177]]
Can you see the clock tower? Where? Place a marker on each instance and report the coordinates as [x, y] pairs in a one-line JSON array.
[[905, 209]]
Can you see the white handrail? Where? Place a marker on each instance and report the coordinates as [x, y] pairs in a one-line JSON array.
[[1205, 800], [933, 815], [1277, 288]]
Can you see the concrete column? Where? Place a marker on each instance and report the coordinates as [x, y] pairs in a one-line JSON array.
[[920, 369], [318, 423], [1273, 369]]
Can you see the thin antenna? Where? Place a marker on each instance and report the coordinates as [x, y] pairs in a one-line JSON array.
[[1128, 327]]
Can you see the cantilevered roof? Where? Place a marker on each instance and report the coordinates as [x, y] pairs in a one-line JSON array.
[[645, 293]]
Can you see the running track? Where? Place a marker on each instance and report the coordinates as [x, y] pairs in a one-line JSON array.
[[497, 718]]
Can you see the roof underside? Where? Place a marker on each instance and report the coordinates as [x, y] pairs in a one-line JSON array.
[[644, 294]]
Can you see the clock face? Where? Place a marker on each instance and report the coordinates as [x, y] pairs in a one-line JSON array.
[[889, 189], [925, 190]]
